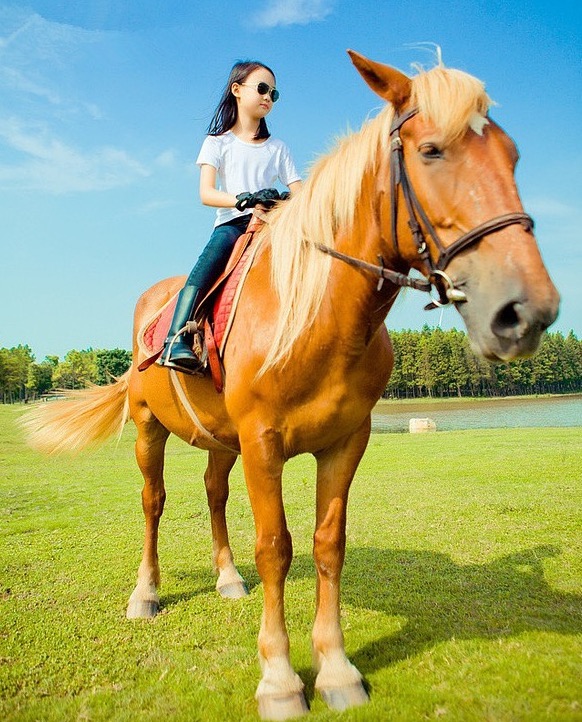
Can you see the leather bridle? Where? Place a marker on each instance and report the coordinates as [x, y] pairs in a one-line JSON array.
[[417, 221]]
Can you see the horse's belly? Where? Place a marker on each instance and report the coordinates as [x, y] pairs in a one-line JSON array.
[[190, 408]]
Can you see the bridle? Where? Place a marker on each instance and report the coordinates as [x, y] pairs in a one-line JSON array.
[[417, 220]]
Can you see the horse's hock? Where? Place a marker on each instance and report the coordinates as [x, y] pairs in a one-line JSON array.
[[419, 426]]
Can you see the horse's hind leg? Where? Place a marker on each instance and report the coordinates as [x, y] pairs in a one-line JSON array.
[[144, 602], [230, 584]]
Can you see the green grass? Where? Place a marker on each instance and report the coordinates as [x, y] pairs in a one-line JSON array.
[[462, 591]]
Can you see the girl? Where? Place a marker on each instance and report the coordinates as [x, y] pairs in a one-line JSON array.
[[241, 155]]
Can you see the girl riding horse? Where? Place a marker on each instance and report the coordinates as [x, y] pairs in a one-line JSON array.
[[241, 154]]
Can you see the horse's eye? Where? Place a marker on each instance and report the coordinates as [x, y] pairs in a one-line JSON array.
[[429, 151]]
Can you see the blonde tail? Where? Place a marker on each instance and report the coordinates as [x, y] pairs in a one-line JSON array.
[[86, 418]]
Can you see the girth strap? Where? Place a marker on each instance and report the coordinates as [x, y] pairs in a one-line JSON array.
[[210, 438]]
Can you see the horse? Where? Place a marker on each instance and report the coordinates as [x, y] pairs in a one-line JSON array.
[[427, 186]]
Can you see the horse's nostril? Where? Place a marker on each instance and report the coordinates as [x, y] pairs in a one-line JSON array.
[[508, 316], [509, 321]]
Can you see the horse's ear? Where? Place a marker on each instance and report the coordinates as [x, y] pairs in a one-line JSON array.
[[387, 82]]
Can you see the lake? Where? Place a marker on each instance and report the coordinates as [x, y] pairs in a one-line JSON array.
[[449, 415]]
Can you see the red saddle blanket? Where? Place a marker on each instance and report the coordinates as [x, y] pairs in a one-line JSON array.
[[218, 310]]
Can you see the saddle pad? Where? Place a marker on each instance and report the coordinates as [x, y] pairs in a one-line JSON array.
[[151, 337], [155, 334], [226, 302], [227, 289]]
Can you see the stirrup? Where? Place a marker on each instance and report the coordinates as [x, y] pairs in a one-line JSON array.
[[177, 366], [168, 363], [197, 352]]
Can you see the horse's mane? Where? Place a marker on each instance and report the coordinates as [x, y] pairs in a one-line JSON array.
[[451, 99]]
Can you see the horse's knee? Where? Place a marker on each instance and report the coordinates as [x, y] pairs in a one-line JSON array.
[[273, 554], [329, 551]]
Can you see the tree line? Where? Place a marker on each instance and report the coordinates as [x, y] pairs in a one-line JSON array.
[[430, 362], [433, 362], [22, 379]]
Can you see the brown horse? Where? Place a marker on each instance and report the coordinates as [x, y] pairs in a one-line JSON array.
[[428, 185]]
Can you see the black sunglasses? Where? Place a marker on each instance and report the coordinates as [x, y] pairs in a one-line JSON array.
[[263, 89]]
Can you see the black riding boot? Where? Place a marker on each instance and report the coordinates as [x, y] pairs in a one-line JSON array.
[[177, 353]]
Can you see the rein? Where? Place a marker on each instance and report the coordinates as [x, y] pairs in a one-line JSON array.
[[417, 220], [399, 279]]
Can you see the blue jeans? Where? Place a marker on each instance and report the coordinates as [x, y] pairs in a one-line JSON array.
[[213, 259]]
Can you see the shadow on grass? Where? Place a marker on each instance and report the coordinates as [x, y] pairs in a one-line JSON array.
[[437, 599], [198, 581], [441, 600]]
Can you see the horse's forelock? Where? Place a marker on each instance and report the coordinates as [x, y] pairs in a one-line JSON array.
[[452, 100]]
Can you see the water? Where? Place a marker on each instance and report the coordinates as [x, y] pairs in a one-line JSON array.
[[393, 416]]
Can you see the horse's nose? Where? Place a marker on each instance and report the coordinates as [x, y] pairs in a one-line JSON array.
[[514, 320]]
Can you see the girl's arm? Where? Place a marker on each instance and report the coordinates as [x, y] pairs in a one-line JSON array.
[[211, 196], [209, 193]]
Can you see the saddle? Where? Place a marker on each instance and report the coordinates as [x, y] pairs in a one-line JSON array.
[[214, 316]]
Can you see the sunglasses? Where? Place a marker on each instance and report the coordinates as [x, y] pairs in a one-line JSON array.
[[263, 89]]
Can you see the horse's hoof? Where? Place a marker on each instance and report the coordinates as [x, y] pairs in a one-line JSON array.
[[234, 590], [341, 698], [282, 707], [142, 609]]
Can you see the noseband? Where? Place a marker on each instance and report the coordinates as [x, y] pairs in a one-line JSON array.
[[417, 220]]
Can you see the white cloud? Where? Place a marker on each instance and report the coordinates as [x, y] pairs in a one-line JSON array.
[[166, 159], [155, 206], [550, 207], [93, 111], [28, 36], [47, 164], [36, 58], [557, 227], [14, 79], [293, 12], [36, 61]]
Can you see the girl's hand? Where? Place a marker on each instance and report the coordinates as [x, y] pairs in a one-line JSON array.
[[267, 197]]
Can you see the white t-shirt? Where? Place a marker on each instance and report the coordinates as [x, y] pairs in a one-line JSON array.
[[246, 167]]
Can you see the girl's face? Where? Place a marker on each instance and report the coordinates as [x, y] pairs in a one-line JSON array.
[[248, 98]]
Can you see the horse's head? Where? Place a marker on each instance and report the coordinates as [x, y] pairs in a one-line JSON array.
[[453, 190]]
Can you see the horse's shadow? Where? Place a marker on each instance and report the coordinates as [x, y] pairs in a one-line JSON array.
[[436, 599]]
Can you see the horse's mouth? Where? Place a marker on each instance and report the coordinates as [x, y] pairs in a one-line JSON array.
[[503, 350], [513, 330]]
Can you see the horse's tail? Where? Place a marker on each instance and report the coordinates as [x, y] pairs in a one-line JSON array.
[[86, 418]]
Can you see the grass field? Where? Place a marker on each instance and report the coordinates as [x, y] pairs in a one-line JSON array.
[[462, 591]]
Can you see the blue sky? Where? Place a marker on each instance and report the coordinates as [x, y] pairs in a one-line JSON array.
[[104, 104]]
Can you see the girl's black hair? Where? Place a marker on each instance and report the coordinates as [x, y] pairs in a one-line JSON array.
[[226, 113]]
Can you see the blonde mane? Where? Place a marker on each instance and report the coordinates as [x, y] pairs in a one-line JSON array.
[[451, 99]]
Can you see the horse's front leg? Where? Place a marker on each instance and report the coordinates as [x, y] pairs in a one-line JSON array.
[[230, 584], [338, 681], [149, 451], [280, 691]]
